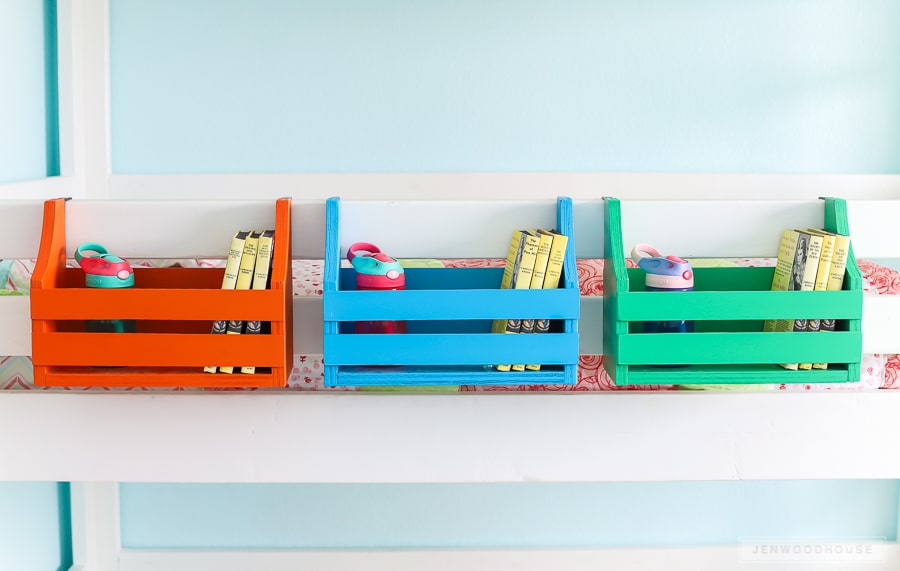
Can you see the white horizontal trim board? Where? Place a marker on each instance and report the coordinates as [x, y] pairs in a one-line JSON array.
[[715, 558], [22, 218], [15, 334], [433, 228], [505, 185], [164, 229], [453, 229], [723, 228], [203, 229], [42, 188], [871, 224], [880, 319], [465, 437]]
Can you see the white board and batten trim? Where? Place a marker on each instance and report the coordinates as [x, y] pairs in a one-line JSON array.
[[97, 547], [450, 438], [442, 228], [878, 557], [505, 185], [95, 526], [33, 190]]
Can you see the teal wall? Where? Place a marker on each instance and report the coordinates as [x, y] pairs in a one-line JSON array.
[[474, 85], [35, 526], [29, 146], [503, 515]]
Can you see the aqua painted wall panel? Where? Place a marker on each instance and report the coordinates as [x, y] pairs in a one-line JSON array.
[[35, 526], [29, 146], [574, 85], [500, 515]]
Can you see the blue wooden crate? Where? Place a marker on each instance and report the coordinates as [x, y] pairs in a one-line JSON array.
[[448, 312]]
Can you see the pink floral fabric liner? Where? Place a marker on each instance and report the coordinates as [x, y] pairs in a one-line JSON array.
[[879, 371]]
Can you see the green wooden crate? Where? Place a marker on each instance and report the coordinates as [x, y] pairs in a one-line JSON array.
[[728, 307]]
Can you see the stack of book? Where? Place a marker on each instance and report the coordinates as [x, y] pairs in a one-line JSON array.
[[534, 261], [247, 267], [808, 260]]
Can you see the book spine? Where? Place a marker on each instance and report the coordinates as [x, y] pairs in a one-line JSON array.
[[781, 279], [542, 260], [244, 281], [513, 261], [803, 277], [232, 265], [835, 280], [523, 281], [261, 272], [513, 258], [552, 276], [821, 285], [540, 270], [810, 279]]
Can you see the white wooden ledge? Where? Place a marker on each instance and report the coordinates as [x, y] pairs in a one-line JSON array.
[[538, 437]]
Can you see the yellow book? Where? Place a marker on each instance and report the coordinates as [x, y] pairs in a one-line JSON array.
[[232, 265], [551, 278], [835, 278], [821, 284], [260, 281], [803, 275], [542, 259], [781, 279], [540, 269], [513, 255], [521, 279], [263, 260], [244, 281]]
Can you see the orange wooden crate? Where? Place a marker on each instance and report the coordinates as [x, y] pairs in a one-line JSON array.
[[174, 309]]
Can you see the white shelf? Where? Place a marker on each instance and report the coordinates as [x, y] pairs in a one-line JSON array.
[[539, 437]]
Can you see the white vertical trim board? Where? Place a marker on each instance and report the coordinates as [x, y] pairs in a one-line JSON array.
[[70, 86], [95, 526], [719, 558], [92, 70]]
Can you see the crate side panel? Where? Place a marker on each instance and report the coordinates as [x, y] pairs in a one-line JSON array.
[[449, 304], [437, 349], [738, 348], [133, 349], [724, 305], [735, 374], [136, 303], [446, 376], [155, 377]]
